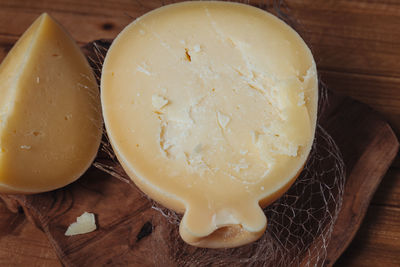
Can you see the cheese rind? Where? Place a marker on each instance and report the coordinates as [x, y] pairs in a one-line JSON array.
[[50, 124], [211, 110]]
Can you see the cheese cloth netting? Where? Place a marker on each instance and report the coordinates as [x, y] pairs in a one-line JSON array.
[[300, 223]]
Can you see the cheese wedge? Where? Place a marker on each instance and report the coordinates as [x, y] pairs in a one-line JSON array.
[[211, 109], [50, 115]]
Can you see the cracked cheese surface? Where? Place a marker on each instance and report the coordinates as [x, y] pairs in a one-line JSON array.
[[50, 116], [210, 108]]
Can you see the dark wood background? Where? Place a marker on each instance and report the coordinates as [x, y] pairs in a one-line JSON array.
[[356, 44]]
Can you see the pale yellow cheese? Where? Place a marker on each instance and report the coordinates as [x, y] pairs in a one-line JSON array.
[[211, 110], [84, 224], [50, 115]]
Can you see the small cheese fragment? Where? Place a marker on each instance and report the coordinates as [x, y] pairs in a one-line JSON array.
[[50, 116], [197, 48], [158, 101], [223, 119], [84, 224], [224, 113]]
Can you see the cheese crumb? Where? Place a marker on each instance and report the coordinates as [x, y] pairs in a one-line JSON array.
[[243, 152], [198, 148], [143, 69], [25, 147], [254, 136], [84, 224], [301, 100], [197, 48], [159, 101], [223, 119], [197, 163], [240, 166]]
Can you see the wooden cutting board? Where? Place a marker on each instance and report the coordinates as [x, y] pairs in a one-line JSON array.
[[131, 232]]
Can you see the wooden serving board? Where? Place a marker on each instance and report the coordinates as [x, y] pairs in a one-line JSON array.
[[130, 231]]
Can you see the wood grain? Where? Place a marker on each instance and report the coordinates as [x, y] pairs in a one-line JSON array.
[[374, 244], [364, 88], [21, 243], [389, 191], [352, 36], [368, 141]]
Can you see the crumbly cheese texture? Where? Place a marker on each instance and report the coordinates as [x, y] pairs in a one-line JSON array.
[[50, 115], [211, 109], [84, 224]]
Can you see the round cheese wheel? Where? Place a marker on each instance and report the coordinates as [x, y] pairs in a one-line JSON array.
[[211, 110]]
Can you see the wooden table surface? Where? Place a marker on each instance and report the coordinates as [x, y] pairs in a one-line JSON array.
[[356, 44]]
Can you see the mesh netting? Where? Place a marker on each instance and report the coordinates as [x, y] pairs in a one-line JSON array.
[[300, 223]]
